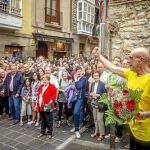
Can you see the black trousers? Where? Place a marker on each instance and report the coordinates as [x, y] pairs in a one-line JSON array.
[[4, 105], [61, 110], [137, 144], [46, 122]]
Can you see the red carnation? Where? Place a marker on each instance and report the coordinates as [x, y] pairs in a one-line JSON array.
[[117, 105], [125, 92], [117, 114], [130, 104]]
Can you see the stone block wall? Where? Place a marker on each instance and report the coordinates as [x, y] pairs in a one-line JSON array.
[[134, 26], [74, 16]]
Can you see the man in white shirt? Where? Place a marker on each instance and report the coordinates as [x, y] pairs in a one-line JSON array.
[[53, 79], [104, 73]]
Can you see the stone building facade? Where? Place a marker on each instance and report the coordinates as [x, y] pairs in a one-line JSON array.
[[15, 28], [132, 21], [35, 27], [51, 28], [84, 42]]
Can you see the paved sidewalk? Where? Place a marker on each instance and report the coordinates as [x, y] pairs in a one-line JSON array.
[[25, 138], [14, 137]]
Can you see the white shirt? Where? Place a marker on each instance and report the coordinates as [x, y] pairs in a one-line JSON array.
[[54, 81], [95, 87], [104, 77], [41, 95]]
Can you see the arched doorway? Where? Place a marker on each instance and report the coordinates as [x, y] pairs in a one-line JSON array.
[[42, 49]]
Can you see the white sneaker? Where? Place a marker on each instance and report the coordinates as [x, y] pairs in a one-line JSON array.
[[37, 124], [29, 120], [107, 136], [72, 130], [117, 140], [127, 146], [77, 134], [21, 123], [30, 123]]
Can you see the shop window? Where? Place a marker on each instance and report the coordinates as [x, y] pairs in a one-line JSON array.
[[60, 46], [13, 51]]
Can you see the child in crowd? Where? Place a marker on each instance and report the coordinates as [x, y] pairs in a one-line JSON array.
[[34, 86], [26, 101]]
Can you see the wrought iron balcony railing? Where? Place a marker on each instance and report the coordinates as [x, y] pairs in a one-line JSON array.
[[6, 8]]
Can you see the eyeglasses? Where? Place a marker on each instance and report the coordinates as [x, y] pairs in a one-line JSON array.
[[135, 57]]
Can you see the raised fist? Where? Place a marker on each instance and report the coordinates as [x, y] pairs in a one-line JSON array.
[[96, 52]]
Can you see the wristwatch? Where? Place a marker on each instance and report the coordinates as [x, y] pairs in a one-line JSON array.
[[143, 115]]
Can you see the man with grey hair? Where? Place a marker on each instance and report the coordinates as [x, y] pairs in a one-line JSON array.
[[12, 87]]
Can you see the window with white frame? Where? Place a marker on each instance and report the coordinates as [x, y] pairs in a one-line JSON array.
[[15, 3], [85, 12], [91, 1], [85, 16], [16, 7], [11, 6], [80, 11]]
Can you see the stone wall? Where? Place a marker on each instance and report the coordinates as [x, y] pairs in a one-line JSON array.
[[74, 16], [9, 38], [134, 26]]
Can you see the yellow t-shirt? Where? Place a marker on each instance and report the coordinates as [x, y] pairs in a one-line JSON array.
[[141, 128]]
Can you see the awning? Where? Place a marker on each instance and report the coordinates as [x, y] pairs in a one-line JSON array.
[[42, 37]]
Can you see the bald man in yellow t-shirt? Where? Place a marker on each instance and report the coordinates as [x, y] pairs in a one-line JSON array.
[[138, 77]]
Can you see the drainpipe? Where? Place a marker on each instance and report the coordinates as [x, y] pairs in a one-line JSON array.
[[70, 26], [36, 26]]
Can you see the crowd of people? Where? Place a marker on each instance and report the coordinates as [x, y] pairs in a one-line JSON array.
[[32, 90]]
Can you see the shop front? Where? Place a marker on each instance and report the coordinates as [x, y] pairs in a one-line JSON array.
[[13, 51], [52, 46]]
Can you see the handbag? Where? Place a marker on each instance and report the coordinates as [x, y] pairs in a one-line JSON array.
[[74, 97], [47, 108], [102, 107], [98, 105]]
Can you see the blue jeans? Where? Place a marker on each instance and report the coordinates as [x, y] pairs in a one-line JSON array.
[[78, 113], [14, 106]]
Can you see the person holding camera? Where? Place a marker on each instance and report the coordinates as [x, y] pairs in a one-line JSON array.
[[97, 88], [45, 105]]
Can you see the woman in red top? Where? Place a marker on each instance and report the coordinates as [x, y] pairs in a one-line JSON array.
[[45, 105]]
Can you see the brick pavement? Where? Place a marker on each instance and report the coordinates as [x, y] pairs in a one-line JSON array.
[[14, 137]]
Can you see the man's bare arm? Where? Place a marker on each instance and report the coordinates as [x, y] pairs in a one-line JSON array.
[[107, 64], [111, 67]]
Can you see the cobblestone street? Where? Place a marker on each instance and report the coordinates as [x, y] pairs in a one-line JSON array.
[[25, 138]]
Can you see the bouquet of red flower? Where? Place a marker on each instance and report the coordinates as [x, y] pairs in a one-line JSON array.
[[122, 103]]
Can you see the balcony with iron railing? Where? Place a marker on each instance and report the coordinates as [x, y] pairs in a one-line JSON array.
[[10, 17], [15, 11], [6, 8], [53, 17]]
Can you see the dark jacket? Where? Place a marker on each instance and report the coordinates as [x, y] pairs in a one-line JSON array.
[[81, 86], [100, 88], [17, 83]]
